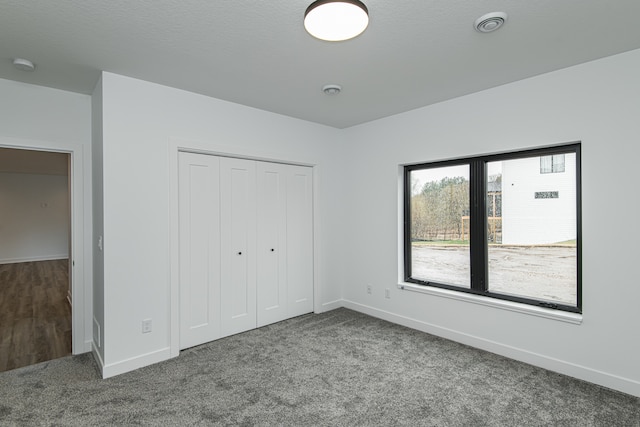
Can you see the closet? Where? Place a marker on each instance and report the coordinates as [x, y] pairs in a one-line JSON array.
[[246, 245]]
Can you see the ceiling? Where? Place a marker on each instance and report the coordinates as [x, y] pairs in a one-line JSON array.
[[257, 53]]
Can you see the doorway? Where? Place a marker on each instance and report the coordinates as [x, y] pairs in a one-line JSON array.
[[35, 257]]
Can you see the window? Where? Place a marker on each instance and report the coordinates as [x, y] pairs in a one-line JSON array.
[[495, 226], [552, 164]]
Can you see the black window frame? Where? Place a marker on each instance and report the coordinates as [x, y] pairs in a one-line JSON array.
[[479, 255]]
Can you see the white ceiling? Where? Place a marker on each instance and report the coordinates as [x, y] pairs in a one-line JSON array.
[[257, 53]]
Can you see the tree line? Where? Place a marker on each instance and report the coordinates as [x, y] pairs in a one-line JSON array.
[[437, 209]]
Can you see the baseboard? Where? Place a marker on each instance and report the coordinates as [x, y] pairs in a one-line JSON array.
[[34, 259], [134, 363], [584, 373], [97, 357], [328, 306]]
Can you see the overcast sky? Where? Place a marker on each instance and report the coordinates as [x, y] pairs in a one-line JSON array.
[[437, 174]]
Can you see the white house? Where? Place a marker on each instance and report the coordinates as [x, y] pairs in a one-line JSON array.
[[539, 200]]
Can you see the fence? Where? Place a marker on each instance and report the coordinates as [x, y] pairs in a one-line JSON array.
[[494, 229]]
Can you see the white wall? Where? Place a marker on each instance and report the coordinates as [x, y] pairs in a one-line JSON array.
[[98, 222], [34, 217], [38, 113], [41, 118], [596, 103], [142, 123]]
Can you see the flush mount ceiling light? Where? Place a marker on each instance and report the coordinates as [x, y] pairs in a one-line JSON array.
[[336, 20], [23, 64], [490, 22]]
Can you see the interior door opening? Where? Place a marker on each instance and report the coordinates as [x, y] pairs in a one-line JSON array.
[[35, 260]]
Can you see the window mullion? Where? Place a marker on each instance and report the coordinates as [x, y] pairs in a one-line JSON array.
[[407, 225], [478, 225]]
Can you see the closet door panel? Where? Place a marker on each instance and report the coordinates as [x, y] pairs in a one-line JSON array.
[[238, 245], [271, 232], [199, 219], [299, 240]]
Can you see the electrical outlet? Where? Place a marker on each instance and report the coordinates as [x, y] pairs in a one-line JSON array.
[[387, 293], [146, 326], [369, 289]]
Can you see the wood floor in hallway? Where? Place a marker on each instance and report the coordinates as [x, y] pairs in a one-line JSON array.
[[35, 316]]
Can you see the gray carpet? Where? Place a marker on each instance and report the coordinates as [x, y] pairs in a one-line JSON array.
[[339, 368]]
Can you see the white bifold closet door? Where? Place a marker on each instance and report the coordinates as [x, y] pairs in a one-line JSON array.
[[285, 242], [299, 241], [246, 245], [238, 245], [272, 242], [199, 211]]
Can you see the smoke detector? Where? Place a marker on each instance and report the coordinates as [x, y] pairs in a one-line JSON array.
[[23, 64], [490, 22], [331, 89]]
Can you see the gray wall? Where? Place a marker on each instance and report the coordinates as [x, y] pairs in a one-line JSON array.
[[34, 217]]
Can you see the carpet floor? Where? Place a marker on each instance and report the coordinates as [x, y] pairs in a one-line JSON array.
[[340, 368]]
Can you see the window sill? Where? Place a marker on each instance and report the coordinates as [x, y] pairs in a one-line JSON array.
[[547, 313]]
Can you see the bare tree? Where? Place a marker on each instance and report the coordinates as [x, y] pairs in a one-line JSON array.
[[437, 210]]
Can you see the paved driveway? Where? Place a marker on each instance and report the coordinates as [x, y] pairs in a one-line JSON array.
[[541, 272]]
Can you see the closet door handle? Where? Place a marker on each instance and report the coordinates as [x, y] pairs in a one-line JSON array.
[[239, 253], [273, 250]]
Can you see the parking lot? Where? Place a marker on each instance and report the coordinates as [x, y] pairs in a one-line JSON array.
[[541, 272]]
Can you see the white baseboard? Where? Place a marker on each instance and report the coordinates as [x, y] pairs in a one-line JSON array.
[[136, 362], [584, 373], [328, 306], [88, 347], [97, 356], [33, 259]]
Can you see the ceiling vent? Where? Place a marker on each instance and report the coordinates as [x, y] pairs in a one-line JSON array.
[[23, 64], [490, 22], [332, 89]]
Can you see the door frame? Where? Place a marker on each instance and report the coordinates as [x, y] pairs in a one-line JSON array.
[[202, 147], [80, 211]]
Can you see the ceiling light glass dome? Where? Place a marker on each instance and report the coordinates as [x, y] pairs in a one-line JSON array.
[[336, 20]]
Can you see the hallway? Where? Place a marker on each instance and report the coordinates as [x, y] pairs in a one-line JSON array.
[[35, 316]]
